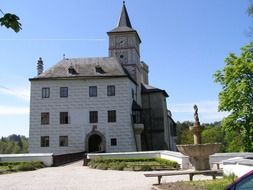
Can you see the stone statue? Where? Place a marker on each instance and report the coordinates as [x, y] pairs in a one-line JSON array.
[[196, 116]]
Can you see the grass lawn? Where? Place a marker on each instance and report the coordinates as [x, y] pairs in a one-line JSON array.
[[10, 167], [218, 184]]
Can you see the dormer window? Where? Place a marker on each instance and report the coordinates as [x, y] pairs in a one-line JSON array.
[[99, 70], [72, 70]]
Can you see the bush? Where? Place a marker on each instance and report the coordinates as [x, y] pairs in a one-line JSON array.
[[117, 165], [21, 166], [143, 164], [102, 166], [25, 166], [168, 163], [146, 168]]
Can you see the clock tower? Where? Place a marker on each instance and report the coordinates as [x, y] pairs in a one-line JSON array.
[[124, 44]]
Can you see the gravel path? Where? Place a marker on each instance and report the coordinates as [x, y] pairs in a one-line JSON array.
[[77, 177]]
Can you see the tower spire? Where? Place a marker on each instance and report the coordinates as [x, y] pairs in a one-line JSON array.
[[124, 20]]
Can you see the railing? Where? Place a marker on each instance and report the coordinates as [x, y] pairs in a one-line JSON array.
[[67, 158]]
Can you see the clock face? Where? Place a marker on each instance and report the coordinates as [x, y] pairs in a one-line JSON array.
[[121, 42]]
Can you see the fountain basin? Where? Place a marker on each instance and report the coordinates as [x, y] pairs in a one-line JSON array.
[[199, 154]]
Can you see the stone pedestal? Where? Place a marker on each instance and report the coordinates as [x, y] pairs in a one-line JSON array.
[[138, 128], [196, 130], [200, 163], [199, 154]]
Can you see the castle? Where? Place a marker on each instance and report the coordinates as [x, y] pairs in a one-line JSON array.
[[100, 104]]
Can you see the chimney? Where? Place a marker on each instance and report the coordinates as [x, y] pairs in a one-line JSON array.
[[40, 66]]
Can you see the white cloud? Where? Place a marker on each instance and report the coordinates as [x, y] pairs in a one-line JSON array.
[[208, 111], [22, 93], [12, 110]]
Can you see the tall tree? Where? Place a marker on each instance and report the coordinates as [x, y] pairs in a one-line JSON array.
[[236, 96], [10, 21]]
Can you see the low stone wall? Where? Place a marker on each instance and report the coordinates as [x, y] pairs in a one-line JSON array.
[[178, 157], [46, 158], [237, 166], [219, 157], [182, 160]]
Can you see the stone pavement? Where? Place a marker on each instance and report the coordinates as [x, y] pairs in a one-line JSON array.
[[77, 177]]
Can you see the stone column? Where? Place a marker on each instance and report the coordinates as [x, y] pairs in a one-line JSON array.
[[138, 128]]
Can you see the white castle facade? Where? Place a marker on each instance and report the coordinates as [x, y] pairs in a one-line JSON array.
[[102, 104]]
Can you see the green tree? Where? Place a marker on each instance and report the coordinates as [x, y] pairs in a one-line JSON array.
[[10, 21], [236, 96], [233, 142], [13, 144]]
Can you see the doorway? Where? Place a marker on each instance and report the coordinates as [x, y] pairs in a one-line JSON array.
[[95, 143]]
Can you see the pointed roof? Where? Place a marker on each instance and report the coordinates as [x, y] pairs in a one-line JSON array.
[[124, 24], [124, 18]]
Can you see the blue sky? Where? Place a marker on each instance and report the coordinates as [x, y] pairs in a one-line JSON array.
[[183, 41]]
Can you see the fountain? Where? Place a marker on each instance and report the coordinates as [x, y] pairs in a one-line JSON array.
[[198, 153]]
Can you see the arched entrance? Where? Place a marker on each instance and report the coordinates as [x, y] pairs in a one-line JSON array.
[[95, 142]]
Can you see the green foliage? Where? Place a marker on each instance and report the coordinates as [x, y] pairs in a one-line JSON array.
[[213, 135], [142, 164], [6, 167], [117, 165], [10, 21], [212, 132], [236, 96], [184, 135], [233, 141], [218, 184], [250, 10], [13, 144]]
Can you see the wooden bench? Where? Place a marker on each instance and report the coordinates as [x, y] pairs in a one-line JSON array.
[[217, 164], [190, 172]]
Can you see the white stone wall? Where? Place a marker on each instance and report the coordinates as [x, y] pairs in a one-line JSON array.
[[47, 159], [78, 104]]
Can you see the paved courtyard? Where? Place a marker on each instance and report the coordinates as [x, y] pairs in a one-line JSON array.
[[77, 177]]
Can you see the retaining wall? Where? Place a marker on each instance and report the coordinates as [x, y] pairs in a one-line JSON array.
[[46, 158]]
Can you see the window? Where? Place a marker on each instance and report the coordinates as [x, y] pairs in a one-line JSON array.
[[112, 116], [44, 141], [63, 92], [99, 70], [44, 118], [113, 142], [245, 184], [133, 94], [64, 118], [63, 141], [111, 90], [93, 116], [92, 91], [45, 92]]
